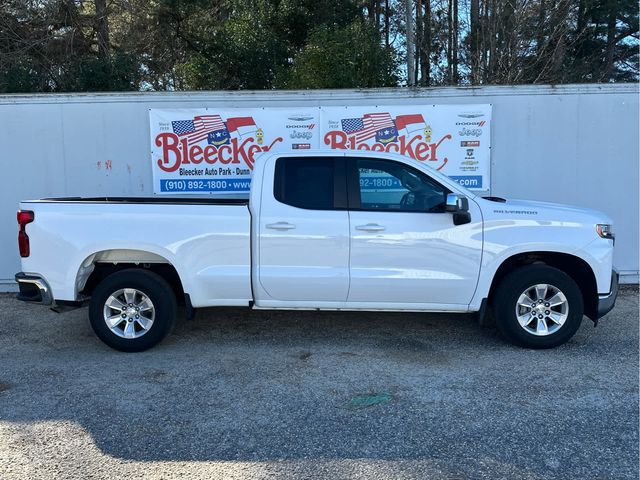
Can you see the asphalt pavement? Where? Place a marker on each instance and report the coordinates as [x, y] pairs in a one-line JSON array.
[[241, 394]]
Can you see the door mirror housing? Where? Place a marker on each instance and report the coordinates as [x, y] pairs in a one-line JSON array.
[[458, 205]]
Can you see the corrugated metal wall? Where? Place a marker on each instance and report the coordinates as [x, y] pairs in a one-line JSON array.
[[575, 144]]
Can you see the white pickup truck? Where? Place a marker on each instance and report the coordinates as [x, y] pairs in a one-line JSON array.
[[321, 230]]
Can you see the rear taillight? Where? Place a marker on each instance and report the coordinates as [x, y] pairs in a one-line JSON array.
[[24, 217]]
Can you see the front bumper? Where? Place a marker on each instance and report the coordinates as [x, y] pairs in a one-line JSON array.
[[33, 289], [607, 302]]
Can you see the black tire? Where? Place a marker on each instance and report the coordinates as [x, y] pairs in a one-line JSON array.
[[150, 284], [516, 283]]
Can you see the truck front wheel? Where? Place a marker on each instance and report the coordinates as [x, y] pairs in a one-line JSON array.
[[132, 310], [538, 306]]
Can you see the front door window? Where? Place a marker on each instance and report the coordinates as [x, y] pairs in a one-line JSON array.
[[391, 186]]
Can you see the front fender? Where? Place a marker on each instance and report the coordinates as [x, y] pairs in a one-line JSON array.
[[505, 239]]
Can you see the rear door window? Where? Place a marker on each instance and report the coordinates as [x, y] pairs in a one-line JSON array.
[[315, 183]]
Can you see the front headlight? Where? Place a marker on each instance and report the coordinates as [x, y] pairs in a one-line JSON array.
[[604, 230]]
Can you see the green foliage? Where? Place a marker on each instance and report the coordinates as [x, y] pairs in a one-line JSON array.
[[116, 73], [565, 41], [346, 57], [243, 53], [297, 18], [265, 44], [51, 47], [20, 77], [587, 61], [65, 45]]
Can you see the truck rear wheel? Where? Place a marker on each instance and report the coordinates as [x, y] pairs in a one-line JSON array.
[[538, 306], [132, 310]]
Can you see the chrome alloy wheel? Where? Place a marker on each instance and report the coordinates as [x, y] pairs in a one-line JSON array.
[[542, 309], [129, 313]]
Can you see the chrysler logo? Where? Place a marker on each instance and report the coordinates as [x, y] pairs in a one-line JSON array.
[[301, 118]]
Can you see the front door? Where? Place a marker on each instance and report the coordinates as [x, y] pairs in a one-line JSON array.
[[404, 246]]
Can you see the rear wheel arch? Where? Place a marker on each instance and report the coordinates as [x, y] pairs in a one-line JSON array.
[[99, 265], [577, 268]]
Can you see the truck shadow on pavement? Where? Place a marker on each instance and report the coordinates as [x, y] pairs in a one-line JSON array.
[[235, 384]]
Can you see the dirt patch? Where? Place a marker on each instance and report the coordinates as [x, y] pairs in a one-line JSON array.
[[156, 376]]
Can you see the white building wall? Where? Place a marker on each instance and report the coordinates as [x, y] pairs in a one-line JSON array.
[[575, 144]]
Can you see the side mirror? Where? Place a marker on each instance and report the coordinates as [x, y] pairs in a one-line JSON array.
[[458, 205]]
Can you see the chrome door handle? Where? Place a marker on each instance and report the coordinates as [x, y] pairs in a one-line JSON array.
[[370, 227], [280, 226]]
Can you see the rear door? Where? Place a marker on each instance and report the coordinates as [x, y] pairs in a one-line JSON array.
[[304, 230], [405, 248]]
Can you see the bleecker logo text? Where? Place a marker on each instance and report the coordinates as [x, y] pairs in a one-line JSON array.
[[413, 148], [177, 151], [407, 134]]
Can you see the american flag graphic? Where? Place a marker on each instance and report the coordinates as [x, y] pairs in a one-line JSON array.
[[366, 127], [352, 125], [197, 129]]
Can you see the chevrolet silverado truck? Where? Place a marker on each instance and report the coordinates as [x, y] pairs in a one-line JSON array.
[[323, 230]]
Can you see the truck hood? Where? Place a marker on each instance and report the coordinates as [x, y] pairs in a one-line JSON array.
[[546, 211]]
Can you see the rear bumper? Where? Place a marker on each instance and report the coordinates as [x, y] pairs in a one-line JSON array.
[[33, 289], [607, 302]]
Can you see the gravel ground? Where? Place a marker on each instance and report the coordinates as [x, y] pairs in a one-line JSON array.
[[241, 394]]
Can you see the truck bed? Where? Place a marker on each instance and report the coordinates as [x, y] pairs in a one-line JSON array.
[[146, 200], [207, 241]]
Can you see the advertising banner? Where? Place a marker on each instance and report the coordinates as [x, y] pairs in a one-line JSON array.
[[213, 151], [453, 139]]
